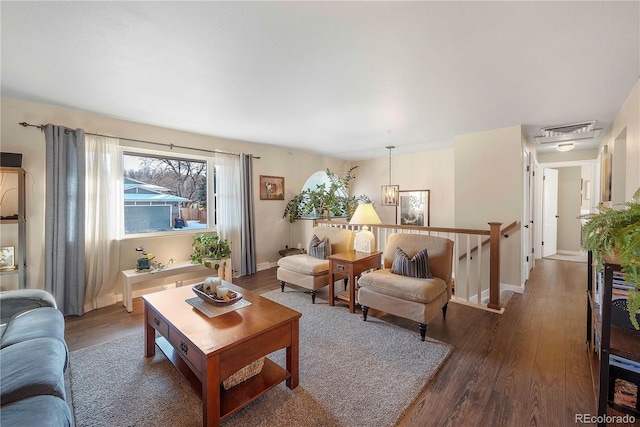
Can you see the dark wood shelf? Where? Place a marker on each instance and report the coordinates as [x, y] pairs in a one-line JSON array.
[[613, 340], [625, 343]]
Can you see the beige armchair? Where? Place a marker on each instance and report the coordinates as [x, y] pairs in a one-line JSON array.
[[309, 272], [410, 297]]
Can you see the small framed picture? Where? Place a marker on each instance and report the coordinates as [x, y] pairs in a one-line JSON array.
[[7, 258], [271, 187], [413, 208]]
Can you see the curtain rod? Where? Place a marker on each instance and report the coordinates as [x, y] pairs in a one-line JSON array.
[[163, 144]]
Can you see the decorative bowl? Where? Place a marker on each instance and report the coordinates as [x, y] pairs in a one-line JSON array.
[[213, 299]]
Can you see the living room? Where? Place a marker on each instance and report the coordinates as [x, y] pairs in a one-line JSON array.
[[463, 169]]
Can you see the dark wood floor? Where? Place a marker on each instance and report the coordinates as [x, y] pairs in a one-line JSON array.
[[528, 366]]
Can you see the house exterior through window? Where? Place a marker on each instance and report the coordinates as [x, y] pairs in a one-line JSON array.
[[164, 194]]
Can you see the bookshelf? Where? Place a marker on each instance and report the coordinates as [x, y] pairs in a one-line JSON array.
[[14, 259], [613, 341]]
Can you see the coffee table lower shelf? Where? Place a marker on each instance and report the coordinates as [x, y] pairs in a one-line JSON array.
[[237, 397]]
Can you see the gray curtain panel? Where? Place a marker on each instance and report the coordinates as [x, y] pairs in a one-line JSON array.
[[64, 217], [247, 230]]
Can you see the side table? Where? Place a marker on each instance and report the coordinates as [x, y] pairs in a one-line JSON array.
[[350, 265]]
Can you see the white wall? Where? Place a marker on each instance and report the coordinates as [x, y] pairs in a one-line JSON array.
[[489, 188], [627, 122], [272, 231], [567, 156], [431, 170], [569, 202]]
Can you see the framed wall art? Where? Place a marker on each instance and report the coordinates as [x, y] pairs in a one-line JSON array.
[[271, 187], [413, 208], [7, 258]]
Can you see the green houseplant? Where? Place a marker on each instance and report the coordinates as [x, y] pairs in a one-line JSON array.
[[325, 201], [210, 250], [615, 233]]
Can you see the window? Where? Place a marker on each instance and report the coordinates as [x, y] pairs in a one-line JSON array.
[[164, 193]]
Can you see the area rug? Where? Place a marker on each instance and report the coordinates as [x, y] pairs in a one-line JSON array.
[[352, 373]]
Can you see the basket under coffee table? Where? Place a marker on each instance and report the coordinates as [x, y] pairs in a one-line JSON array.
[[208, 350]]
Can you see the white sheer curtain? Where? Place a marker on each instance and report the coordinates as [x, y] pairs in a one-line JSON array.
[[229, 207], [102, 221]]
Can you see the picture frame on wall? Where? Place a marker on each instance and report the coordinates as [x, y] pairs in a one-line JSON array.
[[413, 208], [271, 187], [7, 258]]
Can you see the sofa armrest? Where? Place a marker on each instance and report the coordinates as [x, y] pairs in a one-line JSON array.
[[13, 302]]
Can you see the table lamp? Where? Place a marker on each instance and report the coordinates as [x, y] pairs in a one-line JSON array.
[[365, 241]]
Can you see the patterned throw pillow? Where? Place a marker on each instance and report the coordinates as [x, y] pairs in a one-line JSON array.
[[418, 266], [320, 248]]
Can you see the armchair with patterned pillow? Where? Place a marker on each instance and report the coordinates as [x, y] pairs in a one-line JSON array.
[[416, 281], [311, 270]]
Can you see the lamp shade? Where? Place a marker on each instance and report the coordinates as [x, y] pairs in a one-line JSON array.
[[365, 214], [364, 240]]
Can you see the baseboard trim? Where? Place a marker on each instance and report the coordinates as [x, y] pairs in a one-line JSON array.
[[104, 301], [265, 265], [512, 288]]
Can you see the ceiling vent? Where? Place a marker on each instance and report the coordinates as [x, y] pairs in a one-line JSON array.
[[571, 132]]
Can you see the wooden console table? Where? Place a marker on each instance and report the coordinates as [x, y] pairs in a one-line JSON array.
[[351, 265], [132, 277]]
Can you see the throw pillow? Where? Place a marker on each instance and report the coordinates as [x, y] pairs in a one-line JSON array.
[[319, 248], [418, 266]]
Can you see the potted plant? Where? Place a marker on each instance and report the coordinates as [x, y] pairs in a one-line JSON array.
[[211, 251], [614, 234], [325, 201]]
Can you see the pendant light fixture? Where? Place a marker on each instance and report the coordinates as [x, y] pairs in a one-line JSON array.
[[390, 192]]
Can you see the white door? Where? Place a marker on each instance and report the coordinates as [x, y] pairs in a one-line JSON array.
[[550, 212]]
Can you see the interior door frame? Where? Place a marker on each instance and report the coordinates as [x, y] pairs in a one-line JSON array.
[[595, 190], [550, 205], [528, 214]]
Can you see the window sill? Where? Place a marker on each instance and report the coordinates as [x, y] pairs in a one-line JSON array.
[[168, 233]]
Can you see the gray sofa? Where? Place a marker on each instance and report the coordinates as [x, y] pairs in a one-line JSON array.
[[33, 359]]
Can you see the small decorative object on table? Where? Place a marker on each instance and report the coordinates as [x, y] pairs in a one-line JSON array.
[[146, 263], [219, 295]]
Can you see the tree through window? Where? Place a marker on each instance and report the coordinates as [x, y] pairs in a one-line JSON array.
[[164, 193]]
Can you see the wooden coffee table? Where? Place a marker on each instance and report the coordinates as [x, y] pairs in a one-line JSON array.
[[208, 350]]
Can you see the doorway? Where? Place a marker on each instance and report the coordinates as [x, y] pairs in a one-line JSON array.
[[566, 194]]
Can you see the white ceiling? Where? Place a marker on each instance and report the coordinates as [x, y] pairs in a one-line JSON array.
[[344, 79]]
